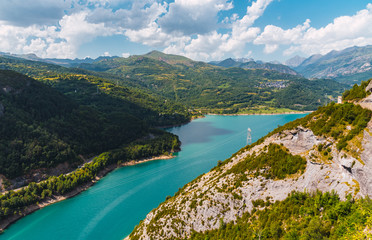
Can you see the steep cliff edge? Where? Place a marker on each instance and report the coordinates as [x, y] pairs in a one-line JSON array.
[[329, 150]]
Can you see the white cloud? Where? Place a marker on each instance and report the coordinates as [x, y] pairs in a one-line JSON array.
[[125, 55], [272, 36], [139, 16], [21, 13], [183, 27], [214, 45], [62, 42], [343, 32], [190, 17]]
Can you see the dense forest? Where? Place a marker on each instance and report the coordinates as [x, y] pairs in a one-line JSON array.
[[104, 93], [41, 127]]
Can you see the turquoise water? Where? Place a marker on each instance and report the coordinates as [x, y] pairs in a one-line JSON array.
[[112, 207]]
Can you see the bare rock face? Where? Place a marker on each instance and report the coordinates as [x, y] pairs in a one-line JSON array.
[[204, 202], [369, 87], [298, 140], [363, 170]]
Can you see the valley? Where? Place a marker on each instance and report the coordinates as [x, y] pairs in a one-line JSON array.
[[111, 110]]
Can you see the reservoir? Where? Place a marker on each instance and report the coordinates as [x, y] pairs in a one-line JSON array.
[[112, 207]]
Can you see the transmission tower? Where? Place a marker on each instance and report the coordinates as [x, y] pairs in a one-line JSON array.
[[249, 136]]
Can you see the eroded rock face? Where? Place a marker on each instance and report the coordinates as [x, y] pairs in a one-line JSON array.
[[369, 87], [363, 170], [298, 140], [214, 196]]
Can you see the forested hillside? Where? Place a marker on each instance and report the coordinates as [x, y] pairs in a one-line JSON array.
[[214, 89], [41, 127], [103, 91]]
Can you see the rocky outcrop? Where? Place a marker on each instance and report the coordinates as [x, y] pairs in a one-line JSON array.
[[225, 194], [216, 196]]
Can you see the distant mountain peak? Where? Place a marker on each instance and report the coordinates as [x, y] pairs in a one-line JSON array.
[[350, 65], [168, 58], [295, 61]]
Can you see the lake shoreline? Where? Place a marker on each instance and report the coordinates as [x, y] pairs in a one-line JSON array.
[[54, 199], [257, 114]]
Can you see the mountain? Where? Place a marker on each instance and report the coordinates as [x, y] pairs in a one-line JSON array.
[[61, 62], [348, 66], [169, 58], [309, 179], [250, 64], [69, 110], [295, 61], [82, 86], [42, 128], [197, 85], [209, 88]]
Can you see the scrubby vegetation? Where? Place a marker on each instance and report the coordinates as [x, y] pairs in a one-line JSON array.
[[276, 163], [332, 121], [301, 216], [357, 92]]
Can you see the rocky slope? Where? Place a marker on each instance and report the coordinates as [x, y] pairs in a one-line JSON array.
[[338, 64], [225, 193]]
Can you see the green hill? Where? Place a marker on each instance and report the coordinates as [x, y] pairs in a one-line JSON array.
[[118, 94], [214, 89], [41, 127]]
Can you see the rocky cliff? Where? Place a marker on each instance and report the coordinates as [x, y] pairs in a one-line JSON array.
[[229, 190]]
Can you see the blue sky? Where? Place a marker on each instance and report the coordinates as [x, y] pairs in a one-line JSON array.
[[200, 29]]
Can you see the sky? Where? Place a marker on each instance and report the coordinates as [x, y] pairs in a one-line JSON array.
[[202, 30]]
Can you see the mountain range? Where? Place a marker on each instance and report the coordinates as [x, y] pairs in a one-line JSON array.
[[251, 64], [349, 66]]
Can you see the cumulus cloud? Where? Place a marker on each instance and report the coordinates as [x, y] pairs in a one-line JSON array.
[[214, 45], [41, 12], [139, 16], [57, 28], [62, 42], [309, 40], [193, 16]]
